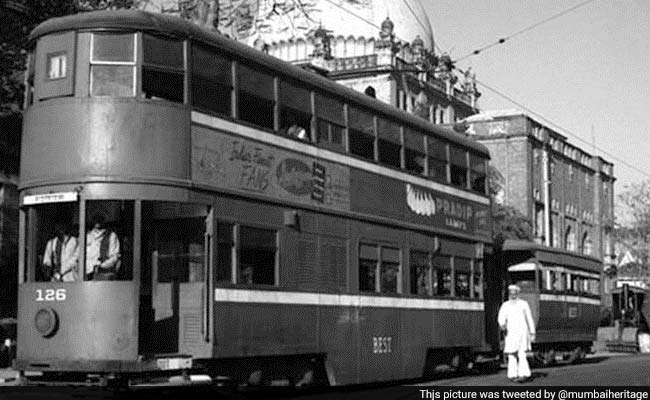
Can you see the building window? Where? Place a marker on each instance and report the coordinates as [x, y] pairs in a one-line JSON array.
[[379, 269], [570, 239], [256, 97], [211, 81], [163, 69], [361, 134], [571, 172], [587, 245], [56, 65], [112, 69]]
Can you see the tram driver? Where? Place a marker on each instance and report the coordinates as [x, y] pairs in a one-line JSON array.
[[60, 260], [102, 251]]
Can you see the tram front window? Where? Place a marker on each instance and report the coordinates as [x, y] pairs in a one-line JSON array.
[[52, 251], [109, 240]]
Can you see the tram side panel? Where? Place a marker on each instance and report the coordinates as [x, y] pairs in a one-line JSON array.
[[567, 319]]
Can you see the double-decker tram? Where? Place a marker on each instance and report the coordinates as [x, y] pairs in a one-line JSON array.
[[191, 204], [563, 291]]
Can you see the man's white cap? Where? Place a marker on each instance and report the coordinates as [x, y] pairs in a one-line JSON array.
[[514, 288]]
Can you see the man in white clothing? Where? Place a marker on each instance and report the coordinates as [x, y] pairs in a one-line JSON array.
[[516, 320], [61, 256], [102, 251]]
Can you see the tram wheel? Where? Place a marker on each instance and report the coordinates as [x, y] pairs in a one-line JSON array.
[[576, 355]]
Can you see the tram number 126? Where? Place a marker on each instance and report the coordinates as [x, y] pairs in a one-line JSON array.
[[50, 295], [381, 344]]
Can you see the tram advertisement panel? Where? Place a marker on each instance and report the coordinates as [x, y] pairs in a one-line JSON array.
[[418, 204], [231, 162]]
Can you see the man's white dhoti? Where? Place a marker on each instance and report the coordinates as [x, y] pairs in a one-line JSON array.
[[516, 319]]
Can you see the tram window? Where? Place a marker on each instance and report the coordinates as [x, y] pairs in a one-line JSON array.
[[225, 251], [442, 276], [256, 97], [389, 270], [414, 157], [162, 52], [174, 243], [112, 70], [477, 284], [330, 121], [211, 81], [109, 240], [56, 65], [51, 242], [437, 159], [558, 280], [159, 84], [361, 134], [389, 143], [368, 255], [295, 111], [257, 256], [458, 167], [163, 69], [29, 79], [111, 47], [478, 173], [421, 273], [462, 276], [111, 80]]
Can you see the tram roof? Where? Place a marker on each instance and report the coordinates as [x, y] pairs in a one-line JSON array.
[[169, 25], [552, 255]]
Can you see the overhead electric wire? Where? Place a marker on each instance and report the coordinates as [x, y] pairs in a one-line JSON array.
[[560, 128], [417, 18], [526, 29]]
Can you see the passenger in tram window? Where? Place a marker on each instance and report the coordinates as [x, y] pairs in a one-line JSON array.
[[61, 256], [516, 320], [297, 132], [102, 251]]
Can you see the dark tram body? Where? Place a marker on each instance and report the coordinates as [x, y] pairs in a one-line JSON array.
[[563, 290], [265, 224]]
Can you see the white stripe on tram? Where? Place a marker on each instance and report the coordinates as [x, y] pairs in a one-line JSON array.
[[340, 300], [332, 156], [567, 298]]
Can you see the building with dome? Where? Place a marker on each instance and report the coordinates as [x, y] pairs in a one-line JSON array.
[[381, 47]]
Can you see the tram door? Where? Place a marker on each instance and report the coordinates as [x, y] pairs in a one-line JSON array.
[[177, 265]]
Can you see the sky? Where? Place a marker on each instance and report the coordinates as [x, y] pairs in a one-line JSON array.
[[587, 71]]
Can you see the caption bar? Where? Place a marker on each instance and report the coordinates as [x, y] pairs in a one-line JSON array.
[[534, 393]]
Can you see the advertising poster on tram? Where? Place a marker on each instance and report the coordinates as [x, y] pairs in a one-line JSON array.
[[241, 164]]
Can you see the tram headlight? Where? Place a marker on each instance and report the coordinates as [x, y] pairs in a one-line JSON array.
[[46, 322]]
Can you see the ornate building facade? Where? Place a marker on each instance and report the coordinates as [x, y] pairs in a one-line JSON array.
[[383, 48]]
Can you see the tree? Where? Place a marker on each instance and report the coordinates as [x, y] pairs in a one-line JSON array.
[[508, 222], [632, 232]]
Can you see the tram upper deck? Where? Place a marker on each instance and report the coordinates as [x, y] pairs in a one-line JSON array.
[[112, 96]]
